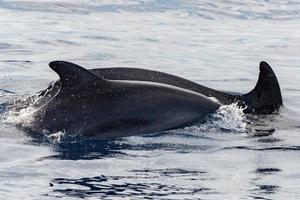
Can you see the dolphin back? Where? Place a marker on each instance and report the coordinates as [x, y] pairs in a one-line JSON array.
[[265, 98]]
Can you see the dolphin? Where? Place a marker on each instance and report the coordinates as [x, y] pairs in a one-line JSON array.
[[108, 103], [88, 104]]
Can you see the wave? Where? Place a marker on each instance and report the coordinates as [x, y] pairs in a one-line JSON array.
[[212, 10]]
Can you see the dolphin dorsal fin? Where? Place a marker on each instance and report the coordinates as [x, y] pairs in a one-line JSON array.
[[266, 97], [71, 74]]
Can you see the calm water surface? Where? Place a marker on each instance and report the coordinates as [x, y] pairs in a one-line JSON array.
[[216, 44]]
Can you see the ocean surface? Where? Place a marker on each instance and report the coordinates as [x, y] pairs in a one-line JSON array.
[[215, 43]]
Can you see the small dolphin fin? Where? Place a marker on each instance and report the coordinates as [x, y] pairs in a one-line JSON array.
[[71, 74], [265, 98]]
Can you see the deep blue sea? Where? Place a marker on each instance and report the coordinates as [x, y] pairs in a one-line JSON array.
[[215, 43]]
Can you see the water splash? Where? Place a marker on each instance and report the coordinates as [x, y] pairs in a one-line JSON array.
[[56, 137], [228, 118], [20, 112], [23, 117]]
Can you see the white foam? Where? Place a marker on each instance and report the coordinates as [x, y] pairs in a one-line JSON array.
[[226, 118], [56, 137], [21, 112], [23, 117]]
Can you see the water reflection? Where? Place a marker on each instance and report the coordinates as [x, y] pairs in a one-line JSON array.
[[123, 186], [90, 149], [79, 148], [267, 171], [267, 189]]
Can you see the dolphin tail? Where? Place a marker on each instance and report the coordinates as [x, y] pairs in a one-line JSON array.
[[265, 98]]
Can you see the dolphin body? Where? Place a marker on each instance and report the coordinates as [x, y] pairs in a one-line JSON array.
[[265, 98], [115, 102]]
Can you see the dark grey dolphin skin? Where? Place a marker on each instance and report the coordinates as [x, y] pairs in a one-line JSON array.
[[91, 105], [116, 102], [265, 98]]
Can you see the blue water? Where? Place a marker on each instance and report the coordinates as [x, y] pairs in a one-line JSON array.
[[218, 44]]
